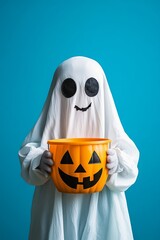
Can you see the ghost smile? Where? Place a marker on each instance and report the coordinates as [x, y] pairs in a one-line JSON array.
[[73, 181], [82, 109]]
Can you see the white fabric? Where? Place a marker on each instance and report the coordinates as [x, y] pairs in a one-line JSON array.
[[98, 216], [112, 162]]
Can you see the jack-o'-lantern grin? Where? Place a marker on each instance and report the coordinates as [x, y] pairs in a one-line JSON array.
[[73, 181]]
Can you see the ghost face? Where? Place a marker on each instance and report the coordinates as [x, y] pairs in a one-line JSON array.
[[77, 108], [69, 89]]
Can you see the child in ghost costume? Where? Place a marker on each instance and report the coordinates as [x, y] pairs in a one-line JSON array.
[[79, 104]]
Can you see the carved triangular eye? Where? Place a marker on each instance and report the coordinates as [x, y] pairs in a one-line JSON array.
[[66, 159], [94, 158]]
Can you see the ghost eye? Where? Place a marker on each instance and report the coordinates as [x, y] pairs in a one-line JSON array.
[[94, 158], [91, 87], [68, 87]]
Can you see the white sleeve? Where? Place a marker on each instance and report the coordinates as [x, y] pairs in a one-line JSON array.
[[30, 156], [128, 156]]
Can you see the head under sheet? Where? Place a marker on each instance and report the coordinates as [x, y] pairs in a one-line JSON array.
[[79, 104]]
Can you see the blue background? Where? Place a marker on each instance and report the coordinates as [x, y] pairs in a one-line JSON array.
[[124, 37]]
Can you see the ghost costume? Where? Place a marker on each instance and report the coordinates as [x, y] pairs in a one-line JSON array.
[[97, 216]]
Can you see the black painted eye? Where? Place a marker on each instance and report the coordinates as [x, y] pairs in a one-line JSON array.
[[66, 159], [91, 87], [68, 87], [94, 158]]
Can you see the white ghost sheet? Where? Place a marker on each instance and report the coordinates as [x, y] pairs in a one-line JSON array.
[[84, 109]]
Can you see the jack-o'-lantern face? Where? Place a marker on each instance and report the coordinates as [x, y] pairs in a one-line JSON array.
[[73, 181], [79, 168]]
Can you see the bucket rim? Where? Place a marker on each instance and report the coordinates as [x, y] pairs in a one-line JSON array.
[[79, 141]]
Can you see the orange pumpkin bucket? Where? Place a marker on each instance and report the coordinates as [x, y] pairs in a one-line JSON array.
[[80, 164]]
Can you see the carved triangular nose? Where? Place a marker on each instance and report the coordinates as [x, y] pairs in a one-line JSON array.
[[80, 169]]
